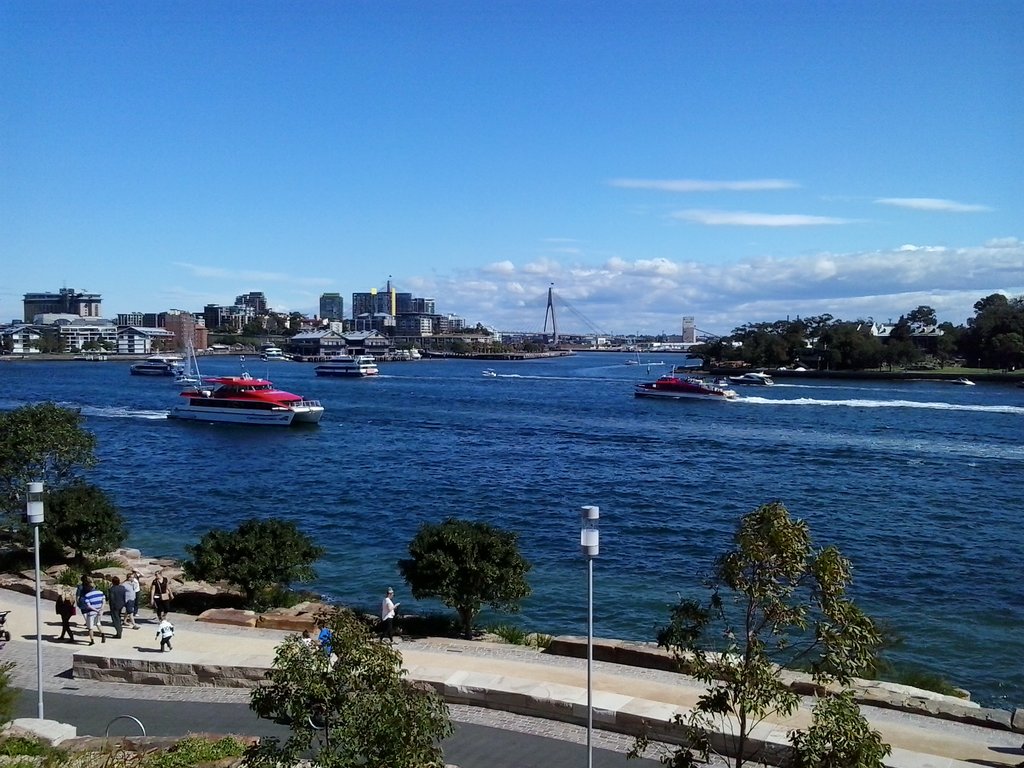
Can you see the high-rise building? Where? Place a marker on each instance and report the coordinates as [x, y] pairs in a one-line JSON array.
[[689, 331], [332, 306], [129, 318], [67, 302], [255, 300]]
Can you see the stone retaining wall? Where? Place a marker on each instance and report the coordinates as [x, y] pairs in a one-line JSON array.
[[874, 693]]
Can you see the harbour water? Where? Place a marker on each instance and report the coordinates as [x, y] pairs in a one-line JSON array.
[[918, 483]]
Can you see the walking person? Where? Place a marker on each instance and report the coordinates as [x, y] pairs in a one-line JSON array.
[[92, 610], [387, 616], [66, 609], [160, 596], [165, 632], [131, 591], [117, 601]]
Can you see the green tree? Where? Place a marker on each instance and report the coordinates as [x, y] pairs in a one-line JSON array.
[[351, 708], [41, 442], [775, 602], [466, 565], [839, 737], [257, 555], [82, 518]]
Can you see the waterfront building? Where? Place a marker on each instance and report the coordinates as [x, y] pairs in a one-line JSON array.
[[332, 306], [414, 325], [133, 340], [66, 301], [21, 340], [185, 329], [317, 343], [79, 334]]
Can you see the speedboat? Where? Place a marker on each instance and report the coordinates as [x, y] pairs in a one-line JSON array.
[[964, 381], [157, 365], [348, 366], [683, 387], [753, 377], [245, 400], [490, 372]]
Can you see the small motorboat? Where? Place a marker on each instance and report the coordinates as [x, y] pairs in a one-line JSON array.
[[490, 372], [963, 381]]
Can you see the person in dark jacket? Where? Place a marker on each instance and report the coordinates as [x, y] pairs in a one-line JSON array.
[[66, 609], [118, 599]]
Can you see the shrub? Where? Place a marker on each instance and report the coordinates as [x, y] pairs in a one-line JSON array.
[[510, 633]]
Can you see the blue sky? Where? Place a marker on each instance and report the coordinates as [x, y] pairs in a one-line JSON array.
[[735, 161]]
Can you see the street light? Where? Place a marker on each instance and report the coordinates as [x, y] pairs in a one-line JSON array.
[[34, 513], [590, 546]]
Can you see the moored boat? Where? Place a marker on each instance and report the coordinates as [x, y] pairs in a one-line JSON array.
[[683, 387], [753, 377], [245, 400], [270, 353], [348, 366]]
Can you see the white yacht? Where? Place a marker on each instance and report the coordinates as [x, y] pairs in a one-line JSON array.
[[158, 365], [269, 353], [348, 366], [753, 377]]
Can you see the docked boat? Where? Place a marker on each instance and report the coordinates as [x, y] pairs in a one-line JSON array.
[[157, 365], [348, 366], [754, 378], [683, 387], [270, 353], [245, 400]]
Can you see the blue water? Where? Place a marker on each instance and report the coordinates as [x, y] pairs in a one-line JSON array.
[[918, 483]]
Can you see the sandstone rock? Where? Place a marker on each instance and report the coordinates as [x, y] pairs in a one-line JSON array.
[[1018, 720], [286, 622], [231, 616]]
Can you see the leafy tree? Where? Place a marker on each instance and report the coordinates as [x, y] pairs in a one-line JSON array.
[[41, 442], [466, 565], [775, 602], [839, 737], [82, 518], [353, 707], [257, 555], [923, 316]]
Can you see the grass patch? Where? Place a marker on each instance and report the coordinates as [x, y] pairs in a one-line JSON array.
[[510, 633], [192, 751], [928, 681]]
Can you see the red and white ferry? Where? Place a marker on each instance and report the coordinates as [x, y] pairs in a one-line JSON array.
[[684, 387], [245, 400]]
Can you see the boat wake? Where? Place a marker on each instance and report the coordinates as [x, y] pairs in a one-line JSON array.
[[114, 412], [1009, 409]]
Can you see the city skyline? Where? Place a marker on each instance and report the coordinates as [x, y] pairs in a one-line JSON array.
[[733, 162]]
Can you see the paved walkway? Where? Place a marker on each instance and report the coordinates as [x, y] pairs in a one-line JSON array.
[[504, 673]]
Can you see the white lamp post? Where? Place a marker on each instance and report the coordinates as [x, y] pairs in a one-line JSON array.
[[34, 512], [590, 546]]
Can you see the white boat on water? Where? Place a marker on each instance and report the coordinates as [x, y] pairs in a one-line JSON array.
[[189, 375], [490, 372], [157, 365], [348, 366], [245, 400], [964, 382], [270, 353], [754, 378]]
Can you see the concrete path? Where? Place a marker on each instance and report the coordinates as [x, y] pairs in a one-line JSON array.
[[501, 677]]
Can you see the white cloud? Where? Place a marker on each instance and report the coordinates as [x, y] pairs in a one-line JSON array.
[[746, 219], [253, 276], [651, 295], [932, 204], [697, 185]]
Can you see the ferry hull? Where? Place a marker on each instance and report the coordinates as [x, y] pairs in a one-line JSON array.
[[283, 417]]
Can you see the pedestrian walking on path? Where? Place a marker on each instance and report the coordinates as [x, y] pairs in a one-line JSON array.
[[66, 609], [131, 594], [118, 600], [165, 632], [92, 610], [160, 596], [387, 616]]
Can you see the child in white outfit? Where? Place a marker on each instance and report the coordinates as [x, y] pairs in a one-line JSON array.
[[165, 632]]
